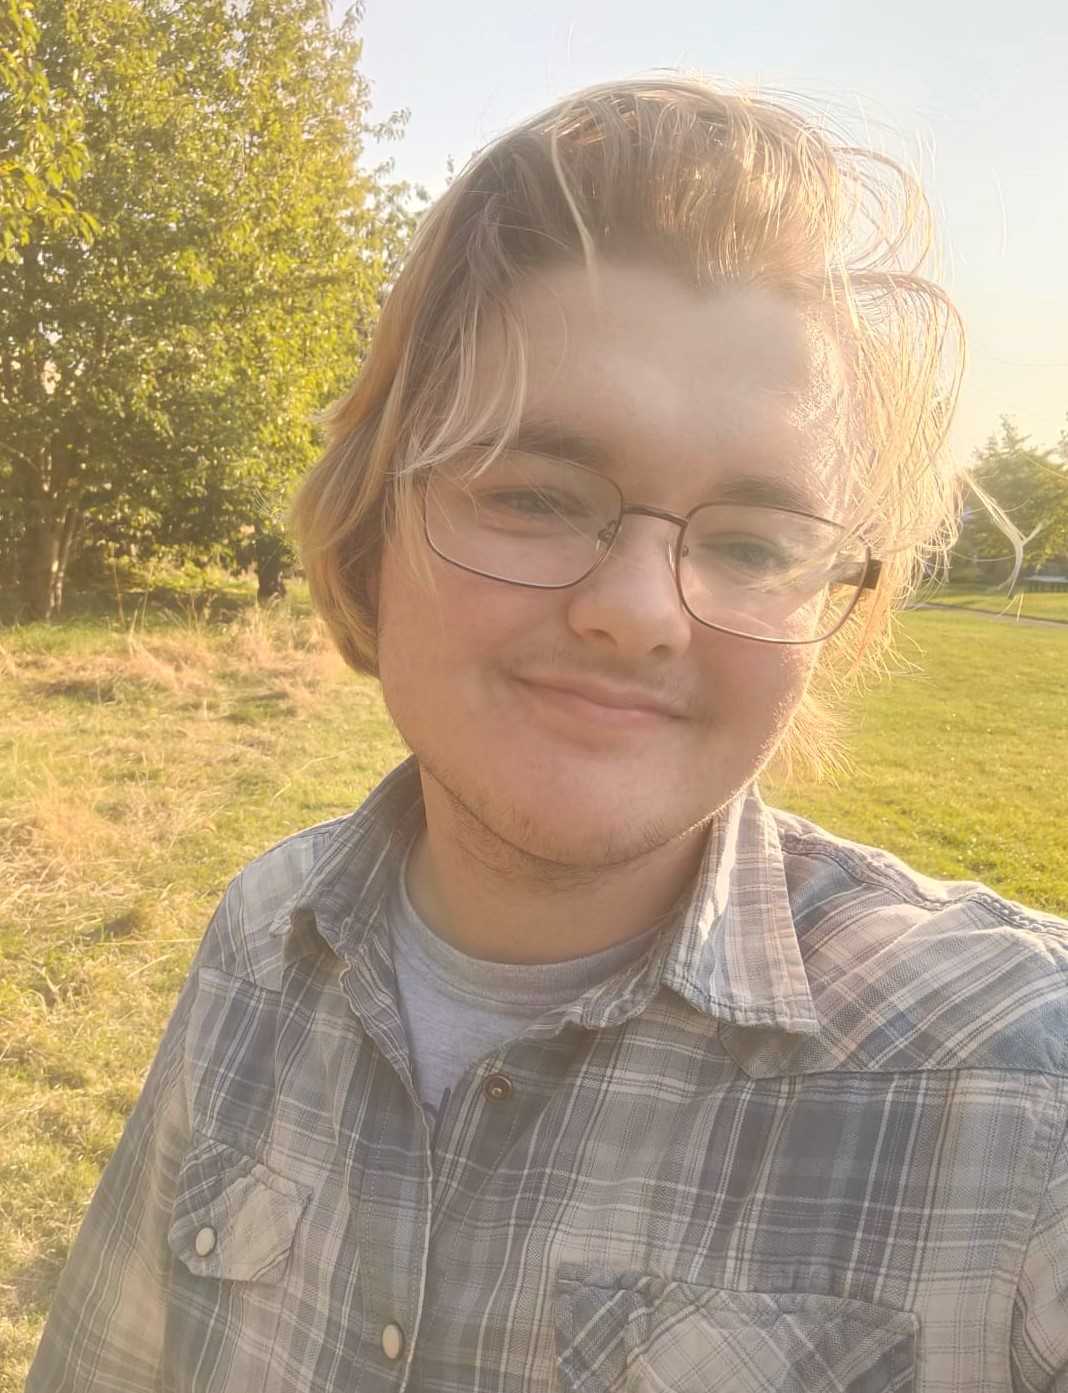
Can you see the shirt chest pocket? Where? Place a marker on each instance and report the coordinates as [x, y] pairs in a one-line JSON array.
[[635, 1333], [233, 1229], [233, 1218]]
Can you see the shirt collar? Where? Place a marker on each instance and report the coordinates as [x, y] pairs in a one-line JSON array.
[[353, 876], [734, 954]]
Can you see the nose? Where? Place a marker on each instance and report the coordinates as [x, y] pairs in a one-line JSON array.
[[631, 601]]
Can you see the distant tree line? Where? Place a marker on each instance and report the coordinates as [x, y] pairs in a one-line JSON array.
[[192, 257]]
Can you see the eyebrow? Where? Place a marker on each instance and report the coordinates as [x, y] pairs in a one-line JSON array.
[[540, 437]]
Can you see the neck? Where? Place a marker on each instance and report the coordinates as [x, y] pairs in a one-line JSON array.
[[494, 901]]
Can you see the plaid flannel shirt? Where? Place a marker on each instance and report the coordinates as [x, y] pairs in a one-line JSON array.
[[815, 1140]]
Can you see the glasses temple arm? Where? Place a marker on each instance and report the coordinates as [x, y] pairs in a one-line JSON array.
[[872, 572], [864, 579]]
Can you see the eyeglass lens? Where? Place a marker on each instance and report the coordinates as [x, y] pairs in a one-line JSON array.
[[538, 521]]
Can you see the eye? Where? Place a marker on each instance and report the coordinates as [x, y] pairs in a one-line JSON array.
[[752, 555], [530, 502], [546, 509]]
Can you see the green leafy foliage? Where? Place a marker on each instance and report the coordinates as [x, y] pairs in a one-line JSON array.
[[1031, 487], [157, 383], [42, 153]]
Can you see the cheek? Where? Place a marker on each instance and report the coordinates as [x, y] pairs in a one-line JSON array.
[[407, 609], [440, 636], [754, 684], [469, 624], [788, 681]]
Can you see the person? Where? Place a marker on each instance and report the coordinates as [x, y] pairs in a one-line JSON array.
[[564, 1062]]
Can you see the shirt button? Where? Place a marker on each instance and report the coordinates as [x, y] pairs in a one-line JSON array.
[[392, 1341], [497, 1088], [205, 1242]]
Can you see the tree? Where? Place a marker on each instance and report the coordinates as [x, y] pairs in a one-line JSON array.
[[1031, 487], [323, 240], [156, 385], [42, 153], [42, 159]]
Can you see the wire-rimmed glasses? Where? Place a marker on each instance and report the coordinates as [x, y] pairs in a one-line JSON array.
[[759, 572]]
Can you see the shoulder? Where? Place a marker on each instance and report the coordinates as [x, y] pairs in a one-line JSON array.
[[823, 869], [325, 872], [248, 932], [908, 967]]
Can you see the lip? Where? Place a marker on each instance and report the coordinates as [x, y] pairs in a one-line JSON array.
[[601, 702]]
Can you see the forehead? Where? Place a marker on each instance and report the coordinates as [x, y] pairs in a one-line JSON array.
[[681, 390]]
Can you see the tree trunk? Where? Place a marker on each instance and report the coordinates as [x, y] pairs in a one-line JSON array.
[[50, 518], [46, 550], [71, 522], [271, 564], [42, 586]]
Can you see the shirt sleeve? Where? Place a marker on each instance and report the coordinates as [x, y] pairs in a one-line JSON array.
[[1040, 1324], [104, 1332]]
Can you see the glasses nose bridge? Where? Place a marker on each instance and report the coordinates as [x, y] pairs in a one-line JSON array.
[[644, 510]]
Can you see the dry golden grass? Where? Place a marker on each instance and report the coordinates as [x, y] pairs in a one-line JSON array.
[[133, 777], [141, 765]]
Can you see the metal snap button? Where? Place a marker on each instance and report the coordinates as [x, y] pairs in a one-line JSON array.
[[497, 1088], [392, 1341], [205, 1242]]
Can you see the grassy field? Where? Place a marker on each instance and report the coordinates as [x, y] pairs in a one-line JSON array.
[[960, 767], [1022, 606], [142, 763]]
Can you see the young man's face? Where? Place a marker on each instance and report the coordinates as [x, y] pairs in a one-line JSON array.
[[589, 725]]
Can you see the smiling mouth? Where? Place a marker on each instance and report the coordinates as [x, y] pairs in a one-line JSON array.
[[603, 708]]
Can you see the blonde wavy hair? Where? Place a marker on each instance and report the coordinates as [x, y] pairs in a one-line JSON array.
[[718, 187]]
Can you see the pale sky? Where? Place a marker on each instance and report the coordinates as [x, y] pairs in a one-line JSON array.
[[973, 95]]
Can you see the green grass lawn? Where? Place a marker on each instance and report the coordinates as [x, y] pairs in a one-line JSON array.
[[1025, 606], [141, 766], [961, 767]]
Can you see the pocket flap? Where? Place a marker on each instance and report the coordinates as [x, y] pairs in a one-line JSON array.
[[636, 1331], [233, 1218]]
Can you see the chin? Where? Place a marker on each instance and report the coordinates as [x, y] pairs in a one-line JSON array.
[[573, 822]]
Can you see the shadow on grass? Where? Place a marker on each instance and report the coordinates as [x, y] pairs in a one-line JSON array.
[[145, 605], [34, 1283], [82, 689], [261, 706], [186, 598], [158, 606]]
